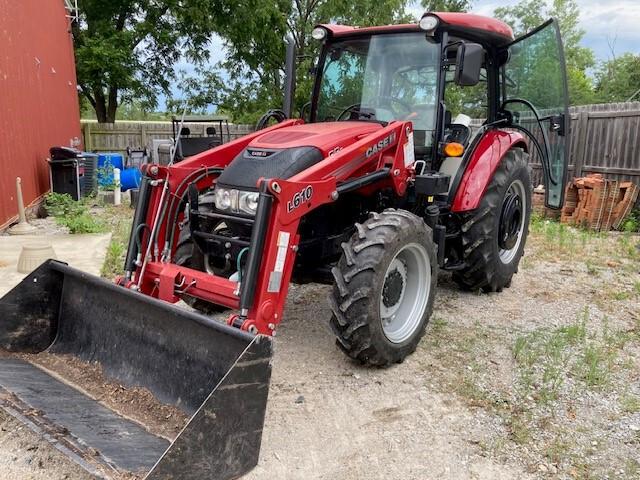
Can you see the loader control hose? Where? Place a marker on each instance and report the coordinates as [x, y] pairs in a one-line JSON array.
[[174, 212], [238, 266]]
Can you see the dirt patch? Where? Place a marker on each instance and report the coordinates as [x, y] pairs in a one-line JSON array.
[[136, 403], [517, 385]]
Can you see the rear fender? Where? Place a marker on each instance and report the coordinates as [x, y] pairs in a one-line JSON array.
[[481, 165]]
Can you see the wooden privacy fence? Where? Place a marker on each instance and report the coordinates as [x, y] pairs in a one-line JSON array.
[[604, 139], [116, 137]]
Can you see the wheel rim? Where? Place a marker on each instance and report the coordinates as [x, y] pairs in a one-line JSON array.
[[405, 292], [512, 221]]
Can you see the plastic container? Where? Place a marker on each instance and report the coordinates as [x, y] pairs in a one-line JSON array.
[[130, 178]]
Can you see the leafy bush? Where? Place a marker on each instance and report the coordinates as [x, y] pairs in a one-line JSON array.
[[632, 222], [83, 223], [61, 205], [71, 214], [106, 178]]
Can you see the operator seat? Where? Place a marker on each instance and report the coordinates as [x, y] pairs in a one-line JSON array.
[[460, 132]]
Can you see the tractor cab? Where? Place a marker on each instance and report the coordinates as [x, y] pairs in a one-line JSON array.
[[453, 76]]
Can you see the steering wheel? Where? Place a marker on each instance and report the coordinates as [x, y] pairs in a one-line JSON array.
[[379, 102], [351, 108]]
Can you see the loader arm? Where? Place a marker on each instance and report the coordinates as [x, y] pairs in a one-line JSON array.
[[260, 296]]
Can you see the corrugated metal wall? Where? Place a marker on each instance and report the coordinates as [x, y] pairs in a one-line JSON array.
[[38, 96]]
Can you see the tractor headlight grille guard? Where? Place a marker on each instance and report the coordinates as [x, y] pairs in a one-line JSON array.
[[236, 201]]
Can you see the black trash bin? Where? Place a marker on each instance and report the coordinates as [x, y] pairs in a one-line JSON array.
[[73, 172]]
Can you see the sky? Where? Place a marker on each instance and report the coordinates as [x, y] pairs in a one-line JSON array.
[[607, 24]]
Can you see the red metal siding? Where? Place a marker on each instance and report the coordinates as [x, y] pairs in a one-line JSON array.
[[38, 96]]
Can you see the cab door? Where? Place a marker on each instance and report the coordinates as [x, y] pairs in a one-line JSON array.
[[535, 99]]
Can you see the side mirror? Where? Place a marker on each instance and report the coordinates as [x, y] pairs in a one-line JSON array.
[[468, 63]]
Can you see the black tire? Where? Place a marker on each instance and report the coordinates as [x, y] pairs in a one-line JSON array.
[[188, 255], [485, 270], [359, 280]]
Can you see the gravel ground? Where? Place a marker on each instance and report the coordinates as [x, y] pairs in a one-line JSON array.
[[540, 381]]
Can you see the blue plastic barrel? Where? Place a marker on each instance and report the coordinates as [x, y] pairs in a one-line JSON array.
[[130, 178], [106, 163]]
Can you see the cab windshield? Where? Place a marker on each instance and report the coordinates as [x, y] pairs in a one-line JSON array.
[[381, 78]]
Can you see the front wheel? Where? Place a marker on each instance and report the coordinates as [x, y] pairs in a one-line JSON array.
[[384, 288], [494, 235]]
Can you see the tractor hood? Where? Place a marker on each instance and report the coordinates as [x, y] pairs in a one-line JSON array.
[[285, 152]]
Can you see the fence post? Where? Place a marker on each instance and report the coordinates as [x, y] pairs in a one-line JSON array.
[[581, 143], [143, 136], [88, 141]]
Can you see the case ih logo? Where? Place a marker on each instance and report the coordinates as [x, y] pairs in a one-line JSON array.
[[385, 142], [259, 153], [299, 198]]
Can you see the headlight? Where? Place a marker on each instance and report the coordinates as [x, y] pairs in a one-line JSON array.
[[319, 33], [223, 199], [429, 23], [236, 201], [248, 202]]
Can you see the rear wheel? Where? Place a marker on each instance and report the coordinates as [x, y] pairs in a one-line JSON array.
[[384, 288], [494, 235]]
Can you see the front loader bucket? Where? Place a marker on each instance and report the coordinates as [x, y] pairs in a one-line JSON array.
[[218, 376]]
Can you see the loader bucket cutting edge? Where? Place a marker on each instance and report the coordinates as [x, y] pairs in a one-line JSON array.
[[216, 374]]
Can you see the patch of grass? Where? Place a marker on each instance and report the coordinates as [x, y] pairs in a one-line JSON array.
[[632, 222], [591, 268], [519, 425], [547, 357], [630, 403], [72, 214], [542, 357], [118, 221], [557, 241], [557, 450], [621, 295]]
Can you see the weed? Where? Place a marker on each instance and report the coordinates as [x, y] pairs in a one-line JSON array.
[[636, 287], [632, 222], [83, 223], [557, 450], [72, 214], [438, 326], [620, 295], [630, 403], [547, 357], [591, 268], [594, 365], [519, 429], [62, 205], [118, 220]]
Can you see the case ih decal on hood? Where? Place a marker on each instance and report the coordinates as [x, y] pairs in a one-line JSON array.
[[382, 144]]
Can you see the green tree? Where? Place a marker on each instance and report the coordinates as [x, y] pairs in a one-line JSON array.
[[255, 43], [618, 80], [528, 14], [447, 5], [126, 49]]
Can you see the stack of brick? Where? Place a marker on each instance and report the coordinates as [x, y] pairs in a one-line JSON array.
[[597, 203], [539, 207]]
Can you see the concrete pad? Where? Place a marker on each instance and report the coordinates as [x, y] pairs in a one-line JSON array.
[[85, 252]]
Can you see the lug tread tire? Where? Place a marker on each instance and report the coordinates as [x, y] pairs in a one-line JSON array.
[[188, 255], [358, 282], [485, 271]]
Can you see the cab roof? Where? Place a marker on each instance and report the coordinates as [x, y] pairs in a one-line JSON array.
[[475, 27]]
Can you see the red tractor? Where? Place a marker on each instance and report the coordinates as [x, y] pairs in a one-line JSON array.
[[379, 189], [385, 183]]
